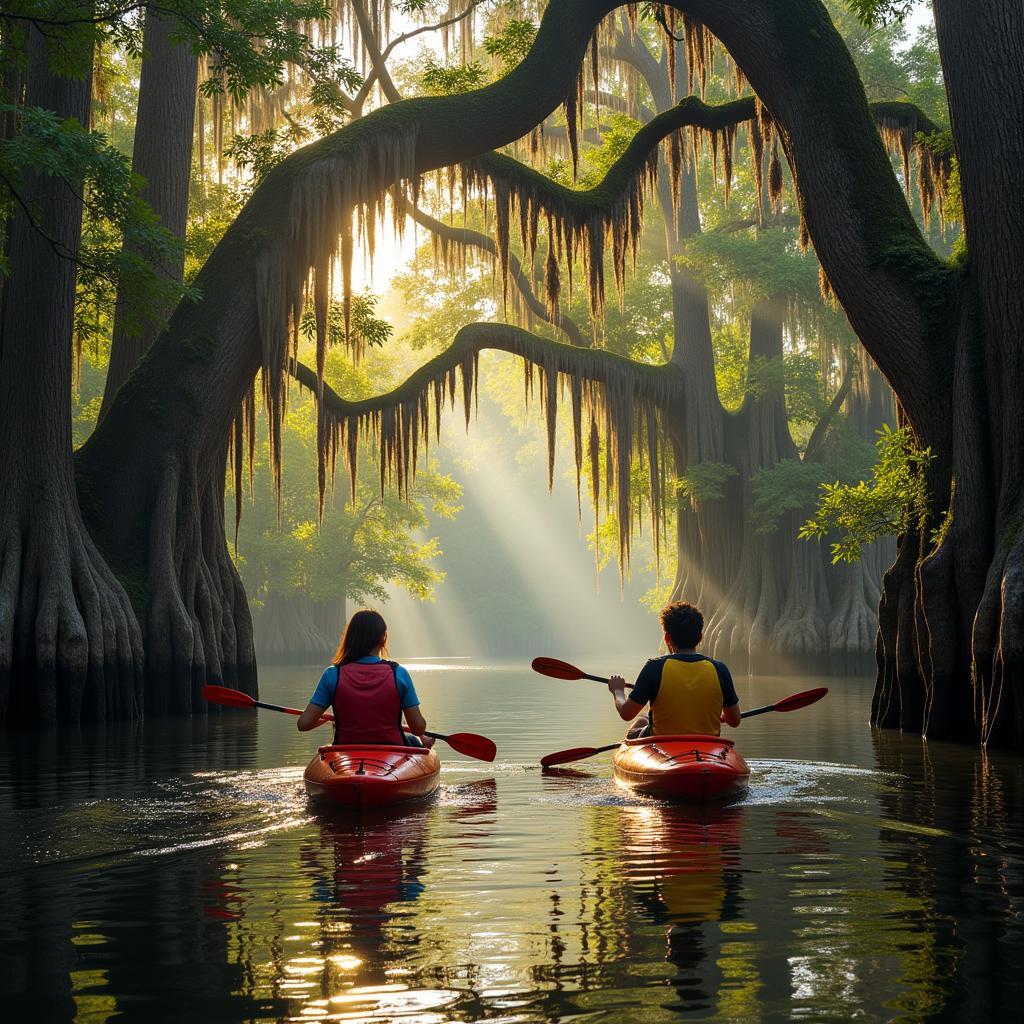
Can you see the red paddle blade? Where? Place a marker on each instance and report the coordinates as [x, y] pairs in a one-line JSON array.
[[556, 669], [472, 745], [801, 700], [565, 756], [228, 697]]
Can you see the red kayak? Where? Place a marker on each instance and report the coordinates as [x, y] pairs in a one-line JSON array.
[[682, 767], [371, 775]]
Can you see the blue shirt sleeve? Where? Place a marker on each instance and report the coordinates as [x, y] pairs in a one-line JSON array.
[[323, 695], [406, 691], [647, 683], [729, 697]]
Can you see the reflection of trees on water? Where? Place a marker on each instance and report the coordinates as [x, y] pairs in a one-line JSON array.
[[898, 904], [897, 896], [95, 930], [946, 838]]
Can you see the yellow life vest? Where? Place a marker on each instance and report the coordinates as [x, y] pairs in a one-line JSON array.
[[689, 699]]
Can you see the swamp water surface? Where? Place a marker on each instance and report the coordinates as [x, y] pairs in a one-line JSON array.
[[174, 871]]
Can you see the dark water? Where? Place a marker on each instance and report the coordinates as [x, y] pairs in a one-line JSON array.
[[174, 872]]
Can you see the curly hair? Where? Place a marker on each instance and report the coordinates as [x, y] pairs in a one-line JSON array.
[[683, 623]]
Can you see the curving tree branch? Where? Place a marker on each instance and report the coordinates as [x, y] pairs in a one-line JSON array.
[[478, 240], [820, 431], [658, 383]]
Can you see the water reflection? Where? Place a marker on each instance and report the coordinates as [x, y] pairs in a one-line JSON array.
[[684, 866], [176, 872]]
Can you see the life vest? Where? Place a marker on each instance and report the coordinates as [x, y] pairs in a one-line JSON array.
[[367, 707], [689, 699]]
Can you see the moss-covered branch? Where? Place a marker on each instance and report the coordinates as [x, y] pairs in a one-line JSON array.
[[614, 400], [581, 223], [820, 431], [447, 236]]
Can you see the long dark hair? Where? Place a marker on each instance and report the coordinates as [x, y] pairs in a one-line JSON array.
[[363, 635]]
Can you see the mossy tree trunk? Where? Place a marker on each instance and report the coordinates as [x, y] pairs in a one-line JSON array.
[[69, 643], [162, 155], [951, 644], [778, 601]]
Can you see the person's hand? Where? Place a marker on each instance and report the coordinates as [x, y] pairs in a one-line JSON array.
[[427, 741], [326, 720], [616, 684]]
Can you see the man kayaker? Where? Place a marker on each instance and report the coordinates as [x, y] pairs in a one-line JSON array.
[[687, 692], [368, 695]]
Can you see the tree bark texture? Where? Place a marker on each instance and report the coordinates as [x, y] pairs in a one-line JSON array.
[[162, 154], [69, 644]]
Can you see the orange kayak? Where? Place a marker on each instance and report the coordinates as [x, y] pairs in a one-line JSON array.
[[682, 767], [371, 775]]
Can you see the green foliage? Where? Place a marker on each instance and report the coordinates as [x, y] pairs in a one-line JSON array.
[[892, 502], [331, 75], [365, 327], [880, 12], [437, 79], [212, 208], [797, 375], [768, 262], [731, 341], [438, 305], [789, 485], [249, 42], [705, 481], [259, 153], [113, 210], [367, 540], [617, 131], [511, 44]]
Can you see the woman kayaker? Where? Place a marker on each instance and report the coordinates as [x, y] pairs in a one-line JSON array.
[[688, 693], [368, 695]]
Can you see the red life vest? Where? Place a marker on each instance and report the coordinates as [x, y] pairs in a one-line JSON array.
[[367, 707]]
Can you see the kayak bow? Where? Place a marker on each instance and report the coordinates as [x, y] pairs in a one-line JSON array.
[[681, 767], [371, 775]]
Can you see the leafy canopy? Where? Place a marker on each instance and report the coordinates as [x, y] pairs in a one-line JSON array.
[[113, 209], [892, 502]]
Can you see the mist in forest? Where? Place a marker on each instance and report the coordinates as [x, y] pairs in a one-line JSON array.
[[520, 578]]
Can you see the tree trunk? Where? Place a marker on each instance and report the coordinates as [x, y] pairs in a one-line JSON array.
[[706, 534], [951, 632], [69, 643], [972, 587], [294, 629], [162, 154], [757, 437]]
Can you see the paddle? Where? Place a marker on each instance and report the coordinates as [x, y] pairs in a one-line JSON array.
[[468, 743], [792, 703], [563, 670]]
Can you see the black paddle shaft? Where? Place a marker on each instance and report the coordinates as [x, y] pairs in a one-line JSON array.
[[271, 707]]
